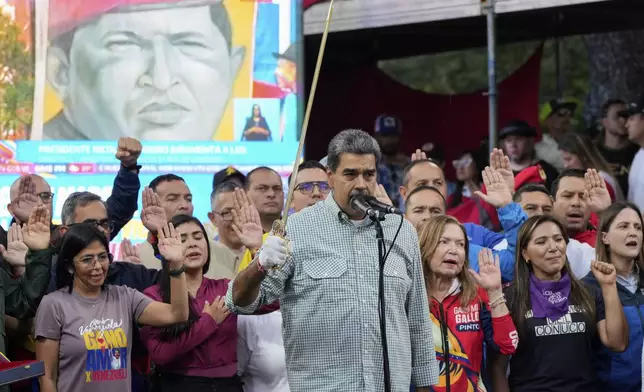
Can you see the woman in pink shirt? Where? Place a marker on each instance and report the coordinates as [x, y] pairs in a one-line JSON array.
[[200, 354]]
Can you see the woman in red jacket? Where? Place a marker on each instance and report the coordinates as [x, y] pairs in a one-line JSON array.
[[464, 314]]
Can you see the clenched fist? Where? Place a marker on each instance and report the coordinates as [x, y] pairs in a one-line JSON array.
[[128, 151]]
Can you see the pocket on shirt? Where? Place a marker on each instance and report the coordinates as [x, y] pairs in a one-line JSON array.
[[328, 278], [396, 275]]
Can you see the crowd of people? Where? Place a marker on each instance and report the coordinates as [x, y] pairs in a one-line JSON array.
[[525, 274]]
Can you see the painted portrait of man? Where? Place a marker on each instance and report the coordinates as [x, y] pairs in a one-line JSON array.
[[149, 69]]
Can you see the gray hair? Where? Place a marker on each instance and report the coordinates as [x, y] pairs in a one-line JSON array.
[[224, 187], [75, 200], [351, 141]]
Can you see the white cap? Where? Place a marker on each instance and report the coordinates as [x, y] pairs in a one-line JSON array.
[[324, 160]]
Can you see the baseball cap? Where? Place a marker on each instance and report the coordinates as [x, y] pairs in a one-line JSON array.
[[530, 175], [387, 124], [554, 105], [226, 175], [634, 107], [517, 128]]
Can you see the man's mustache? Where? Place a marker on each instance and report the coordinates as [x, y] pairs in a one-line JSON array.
[[359, 192]]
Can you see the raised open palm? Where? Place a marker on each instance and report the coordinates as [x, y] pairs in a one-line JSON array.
[[170, 246], [25, 200], [16, 250], [501, 163], [598, 196], [489, 275], [153, 216], [36, 234], [129, 252], [246, 223], [497, 192]]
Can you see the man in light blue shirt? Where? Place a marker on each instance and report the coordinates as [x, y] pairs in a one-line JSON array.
[[327, 286]]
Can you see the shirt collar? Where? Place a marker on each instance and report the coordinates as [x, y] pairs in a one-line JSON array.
[[335, 209]]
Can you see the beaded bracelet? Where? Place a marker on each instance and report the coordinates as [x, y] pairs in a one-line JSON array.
[[497, 302]]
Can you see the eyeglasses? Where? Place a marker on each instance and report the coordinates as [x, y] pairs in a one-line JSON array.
[[90, 260], [226, 215], [104, 224], [46, 197], [307, 187]]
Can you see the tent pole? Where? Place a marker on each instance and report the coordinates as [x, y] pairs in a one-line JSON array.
[[491, 72], [558, 67]]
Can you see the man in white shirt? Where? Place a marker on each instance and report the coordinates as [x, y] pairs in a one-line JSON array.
[[635, 127]]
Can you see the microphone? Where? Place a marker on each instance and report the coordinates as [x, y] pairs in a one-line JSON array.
[[358, 203], [380, 206]]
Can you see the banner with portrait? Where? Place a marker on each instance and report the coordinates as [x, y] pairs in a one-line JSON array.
[[202, 83]]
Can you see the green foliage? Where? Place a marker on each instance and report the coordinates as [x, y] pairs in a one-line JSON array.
[[466, 71], [16, 79]]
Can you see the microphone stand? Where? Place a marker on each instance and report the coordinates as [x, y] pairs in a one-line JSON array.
[[380, 236]]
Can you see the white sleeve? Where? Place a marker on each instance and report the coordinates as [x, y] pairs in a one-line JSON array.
[[580, 255], [244, 350], [503, 245]]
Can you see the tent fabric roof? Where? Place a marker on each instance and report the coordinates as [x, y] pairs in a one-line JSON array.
[[463, 33]]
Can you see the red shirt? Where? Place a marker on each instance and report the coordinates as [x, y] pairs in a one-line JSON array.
[[589, 237], [464, 328], [473, 211]]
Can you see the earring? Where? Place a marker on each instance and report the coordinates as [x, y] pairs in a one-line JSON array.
[[527, 261]]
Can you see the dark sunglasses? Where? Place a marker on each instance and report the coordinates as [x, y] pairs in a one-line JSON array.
[[308, 187]]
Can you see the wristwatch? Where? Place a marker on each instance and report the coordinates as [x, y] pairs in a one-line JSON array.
[[177, 272]]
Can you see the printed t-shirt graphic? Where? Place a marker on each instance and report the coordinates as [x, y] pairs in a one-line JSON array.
[[95, 337]]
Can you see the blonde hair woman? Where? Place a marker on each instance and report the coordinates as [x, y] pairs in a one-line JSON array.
[[467, 308]]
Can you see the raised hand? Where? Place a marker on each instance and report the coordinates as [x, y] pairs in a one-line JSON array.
[[25, 200], [241, 198], [498, 193], [605, 273], [217, 310], [419, 155], [129, 252], [381, 195], [246, 223], [598, 196], [128, 151], [16, 250], [170, 246], [152, 215], [36, 234], [501, 163], [489, 275]]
